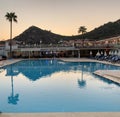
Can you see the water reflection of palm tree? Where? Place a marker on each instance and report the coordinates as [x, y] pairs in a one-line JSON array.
[[81, 82], [13, 99]]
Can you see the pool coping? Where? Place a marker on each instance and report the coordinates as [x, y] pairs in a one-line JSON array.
[[69, 114], [87, 60], [9, 62], [113, 75]]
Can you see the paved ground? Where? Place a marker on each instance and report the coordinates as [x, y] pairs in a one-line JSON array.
[[8, 62], [87, 60], [93, 114], [113, 75]]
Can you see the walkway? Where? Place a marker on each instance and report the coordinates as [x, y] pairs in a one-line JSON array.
[[113, 75], [70, 114], [8, 62]]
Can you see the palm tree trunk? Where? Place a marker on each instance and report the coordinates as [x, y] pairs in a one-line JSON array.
[[11, 39], [82, 40]]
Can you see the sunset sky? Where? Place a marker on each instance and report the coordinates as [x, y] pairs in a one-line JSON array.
[[60, 16]]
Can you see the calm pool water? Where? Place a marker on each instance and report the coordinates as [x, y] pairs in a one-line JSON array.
[[57, 86]]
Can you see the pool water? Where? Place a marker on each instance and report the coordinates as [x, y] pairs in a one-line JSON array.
[[57, 86]]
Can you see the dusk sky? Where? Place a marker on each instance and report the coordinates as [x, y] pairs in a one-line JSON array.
[[60, 16]]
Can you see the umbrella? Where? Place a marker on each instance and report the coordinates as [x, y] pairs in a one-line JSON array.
[[101, 53], [105, 53], [116, 52], [90, 52], [119, 52], [98, 54], [78, 54], [110, 52]]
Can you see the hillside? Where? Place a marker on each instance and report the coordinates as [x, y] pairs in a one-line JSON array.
[[34, 34], [110, 29]]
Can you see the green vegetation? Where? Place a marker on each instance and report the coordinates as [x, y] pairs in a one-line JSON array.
[[82, 29]]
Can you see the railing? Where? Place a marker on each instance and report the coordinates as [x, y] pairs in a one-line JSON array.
[[43, 46], [71, 46]]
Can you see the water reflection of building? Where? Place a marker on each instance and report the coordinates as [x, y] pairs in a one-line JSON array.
[[36, 69]]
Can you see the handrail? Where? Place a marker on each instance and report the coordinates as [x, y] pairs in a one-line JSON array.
[[111, 46]]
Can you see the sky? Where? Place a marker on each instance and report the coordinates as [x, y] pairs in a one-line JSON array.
[[62, 17]]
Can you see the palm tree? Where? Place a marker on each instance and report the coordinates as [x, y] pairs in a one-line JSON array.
[[82, 29], [11, 17]]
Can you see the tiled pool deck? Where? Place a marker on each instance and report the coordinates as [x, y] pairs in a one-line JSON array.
[[109, 74], [82, 114]]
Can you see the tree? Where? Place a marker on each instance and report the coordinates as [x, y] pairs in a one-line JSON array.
[[11, 17], [82, 29]]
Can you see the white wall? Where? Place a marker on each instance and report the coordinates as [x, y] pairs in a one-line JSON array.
[[7, 47]]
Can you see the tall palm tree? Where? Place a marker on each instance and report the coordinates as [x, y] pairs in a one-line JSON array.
[[82, 29], [11, 17]]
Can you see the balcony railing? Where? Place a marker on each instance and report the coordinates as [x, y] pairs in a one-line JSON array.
[[97, 46], [43, 46]]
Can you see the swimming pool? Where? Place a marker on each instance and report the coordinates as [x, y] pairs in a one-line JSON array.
[[57, 86]]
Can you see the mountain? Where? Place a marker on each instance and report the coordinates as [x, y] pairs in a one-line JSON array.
[[34, 34]]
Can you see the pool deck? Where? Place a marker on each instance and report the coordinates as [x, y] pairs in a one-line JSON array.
[[8, 62], [87, 60], [113, 75], [77, 114]]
